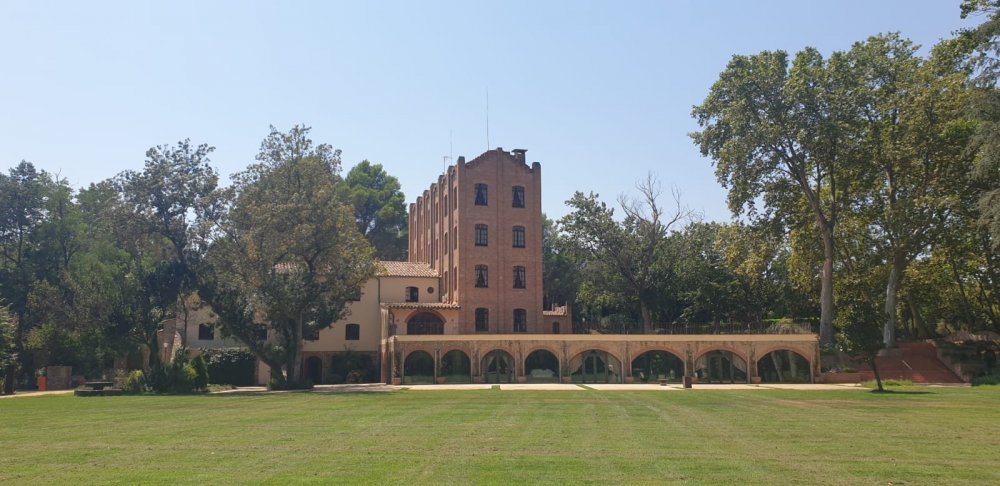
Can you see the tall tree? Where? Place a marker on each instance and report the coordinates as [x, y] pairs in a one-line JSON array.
[[8, 349], [288, 255], [627, 252], [779, 135], [22, 213], [168, 210], [559, 269], [379, 209]]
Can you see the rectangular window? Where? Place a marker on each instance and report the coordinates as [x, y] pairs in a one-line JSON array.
[[517, 201], [412, 294], [482, 280], [482, 235], [205, 332], [454, 238], [518, 277], [352, 332], [520, 320], [444, 246], [555, 328], [482, 319], [481, 199], [519, 237]]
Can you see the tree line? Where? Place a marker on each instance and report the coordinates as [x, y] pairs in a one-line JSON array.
[[865, 180], [90, 275]]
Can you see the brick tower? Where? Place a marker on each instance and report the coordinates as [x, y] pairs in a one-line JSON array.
[[480, 227]]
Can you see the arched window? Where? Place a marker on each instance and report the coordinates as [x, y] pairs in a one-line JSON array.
[[481, 199], [352, 332], [206, 332], [517, 200], [482, 235], [482, 279], [520, 320], [412, 294], [425, 323], [519, 277], [519, 237], [482, 319]]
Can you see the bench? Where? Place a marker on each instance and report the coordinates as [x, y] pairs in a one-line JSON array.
[[98, 385]]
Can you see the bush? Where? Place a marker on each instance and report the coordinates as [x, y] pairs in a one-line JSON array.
[[177, 377], [200, 368], [989, 379], [135, 382], [275, 385], [230, 366]]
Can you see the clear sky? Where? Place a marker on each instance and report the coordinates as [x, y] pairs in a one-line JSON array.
[[599, 92]]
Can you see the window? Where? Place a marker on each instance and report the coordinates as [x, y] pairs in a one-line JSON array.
[[518, 277], [517, 201], [445, 287], [445, 206], [310, 334], [482, 235], [555, 328], [520, 320], [352, 332], [412, 294], [519, 237], [482, 319], [206, 332], [482, 279], [481, 195], [454, 238], [444, 246]]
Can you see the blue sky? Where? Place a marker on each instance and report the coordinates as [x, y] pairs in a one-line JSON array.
[[599, 92]]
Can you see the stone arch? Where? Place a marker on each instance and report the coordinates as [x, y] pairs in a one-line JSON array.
[[595, 365], [656, 364], [498, 366], [541, 365], [784, 365], [456, 367], [721, 364], [418, 368], [425, 322]]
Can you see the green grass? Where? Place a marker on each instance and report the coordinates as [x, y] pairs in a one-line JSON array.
[[914, 435]]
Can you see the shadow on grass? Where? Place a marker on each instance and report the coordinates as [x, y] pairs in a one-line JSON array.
[[901, 392]]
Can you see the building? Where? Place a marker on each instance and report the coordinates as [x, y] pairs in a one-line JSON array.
[[467, 307]]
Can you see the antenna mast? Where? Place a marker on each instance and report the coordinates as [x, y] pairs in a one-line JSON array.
[[487, 119]]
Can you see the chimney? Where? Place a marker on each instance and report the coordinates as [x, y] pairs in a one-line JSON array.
[[519, 155]]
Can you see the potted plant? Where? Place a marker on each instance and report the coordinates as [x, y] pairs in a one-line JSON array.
[[40, 379]]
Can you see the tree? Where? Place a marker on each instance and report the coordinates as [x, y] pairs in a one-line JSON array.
[[287, 257], [559, 269], [626, 253], [860, 335], [22, 212], [168, 210], [914, 137], [8, 349], [781, 137], [379, 209]]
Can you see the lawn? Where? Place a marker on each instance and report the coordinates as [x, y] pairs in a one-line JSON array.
[[919, 436]]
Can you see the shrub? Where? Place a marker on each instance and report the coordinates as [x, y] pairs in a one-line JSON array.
[[343, 364], [989, 379], [230, 366], [135, 382], [200, 368], [275, 385], [354, 377]]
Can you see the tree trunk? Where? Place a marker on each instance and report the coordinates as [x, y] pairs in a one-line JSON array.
[[878, 379], [9, 376], [826, 290], [647, 324], [891, 298], [918, 319]]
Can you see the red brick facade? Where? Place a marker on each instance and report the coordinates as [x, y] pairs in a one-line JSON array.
[[467, 219]]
